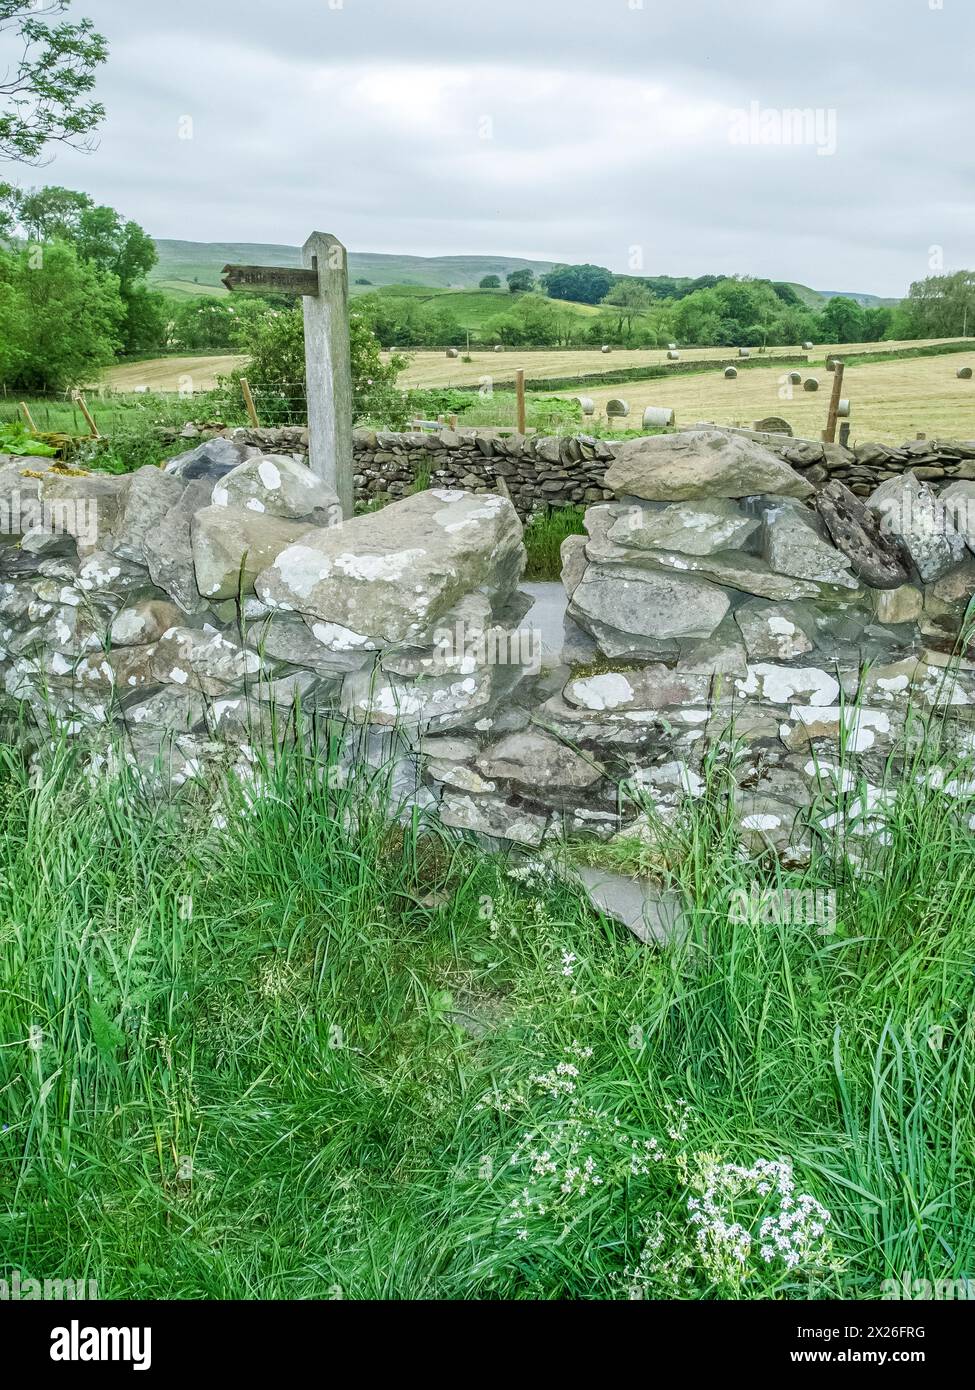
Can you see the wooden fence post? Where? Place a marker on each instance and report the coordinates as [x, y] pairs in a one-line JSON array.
[[249, 402], [829, 434], [520, 398], [80, 402]]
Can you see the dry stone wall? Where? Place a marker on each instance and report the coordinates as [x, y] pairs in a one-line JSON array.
[[547, 471], [187, 617]]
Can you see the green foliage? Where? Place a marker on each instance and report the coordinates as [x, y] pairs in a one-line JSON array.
[[585, 284], [490, 282], [104, 239], [44, 94], [15, 439], [274, 344], [313, 1054], [534, 321], [841, 321], [219, 325], [61, 318], [631, 299], [521, 281], [937, 307]]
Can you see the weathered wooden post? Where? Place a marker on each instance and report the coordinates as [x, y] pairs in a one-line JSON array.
[[251, 408], [324, 286], [328, 366], [829, 434], [520, 400]]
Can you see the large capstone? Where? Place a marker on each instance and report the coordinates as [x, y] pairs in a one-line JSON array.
[[391, 575], [700, 464], [209, 461]]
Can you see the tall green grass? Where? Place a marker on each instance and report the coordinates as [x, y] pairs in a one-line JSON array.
[[277, 1045], [544, 534]]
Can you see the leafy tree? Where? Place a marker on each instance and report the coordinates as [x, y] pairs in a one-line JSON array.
[[631, 299], [103, 238], [584, 284], [877, 323], [521, 281], [940, 306], [274, 343], [204, 322], [44, 95], [65, 321], [536, 322], [842, 321], [490, 282]]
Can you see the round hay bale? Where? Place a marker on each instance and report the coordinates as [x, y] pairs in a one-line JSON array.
[[605, 348], [795, 378], [672, 347], [843, 408], [499, 348], [617, 409], [964, 373], [832, 362], [657, 415], [810, 384], [452, 352], [730, 373], [808, 346], [743, 352], [673, 355], [586, 403]]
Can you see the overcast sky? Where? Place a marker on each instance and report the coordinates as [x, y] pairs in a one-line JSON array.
[[611, 131]]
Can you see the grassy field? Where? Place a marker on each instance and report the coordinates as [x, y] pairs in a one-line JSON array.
[[172, 373], [435, 369], [314, 1055], [890, 401], [474, 308]]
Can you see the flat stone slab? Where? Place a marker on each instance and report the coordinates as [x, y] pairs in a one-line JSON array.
[[655, 916], [701, 463]]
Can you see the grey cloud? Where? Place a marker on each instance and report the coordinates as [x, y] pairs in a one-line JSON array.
[[609, 129]]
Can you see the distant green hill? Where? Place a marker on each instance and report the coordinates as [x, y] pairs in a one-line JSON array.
[[193, 267]]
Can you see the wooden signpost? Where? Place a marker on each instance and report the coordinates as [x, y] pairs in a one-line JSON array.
[[323, 281], [281, 279]]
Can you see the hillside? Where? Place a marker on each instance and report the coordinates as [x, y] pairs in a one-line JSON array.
[[193, 267]]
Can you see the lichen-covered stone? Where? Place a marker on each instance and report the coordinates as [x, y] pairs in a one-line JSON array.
[[692, 528], [391, 575], [275, 485], [232, 546], [142, 505]]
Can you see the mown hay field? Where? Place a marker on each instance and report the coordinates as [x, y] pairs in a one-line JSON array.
[[436, 369], [188, 374], [890, 401]]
